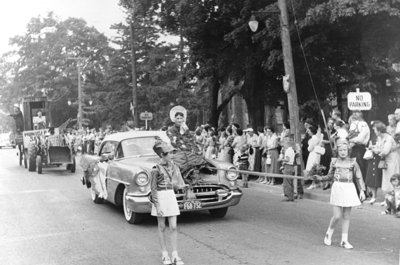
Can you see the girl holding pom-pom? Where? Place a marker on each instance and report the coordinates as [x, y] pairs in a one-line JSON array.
[[344, 194]]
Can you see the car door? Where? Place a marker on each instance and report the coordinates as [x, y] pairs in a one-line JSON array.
[[106, 154]]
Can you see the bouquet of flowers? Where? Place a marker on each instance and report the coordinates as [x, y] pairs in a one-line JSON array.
[[316, 170]]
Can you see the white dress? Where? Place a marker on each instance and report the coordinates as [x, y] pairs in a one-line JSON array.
[[313, 157], [344, 193]]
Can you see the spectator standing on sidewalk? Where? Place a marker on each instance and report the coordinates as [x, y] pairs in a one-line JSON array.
[[271, 154], [387, 149], [397, 116], [252, 141], [314, 158], [373, 180], [360, 141], [305, 139], [391, 128], [243, 161], [288, 165], [343, 195], [237, 144]]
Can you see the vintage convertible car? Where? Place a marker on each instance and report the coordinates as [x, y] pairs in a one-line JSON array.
[[121, 172]]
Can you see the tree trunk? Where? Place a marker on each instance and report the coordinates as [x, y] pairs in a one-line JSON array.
[[253, 93], [213, 103]]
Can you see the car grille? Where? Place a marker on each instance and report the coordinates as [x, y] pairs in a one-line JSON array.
[[206, 193]]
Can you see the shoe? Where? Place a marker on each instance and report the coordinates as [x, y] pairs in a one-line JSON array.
[[177, 261], [327, 240], [372, 201], [383, 203], [327, 186], [346, 245], [311, 187], [166, 260], [300, 196], [264, 181], [287, 200], [83, 181]]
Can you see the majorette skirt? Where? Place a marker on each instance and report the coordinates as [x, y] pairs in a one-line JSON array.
[[168, 204], [344, 194]]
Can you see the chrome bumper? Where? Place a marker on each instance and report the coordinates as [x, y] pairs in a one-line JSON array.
[[142, 204]]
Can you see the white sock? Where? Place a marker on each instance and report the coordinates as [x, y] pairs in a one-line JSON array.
[[174, 254], [329, 232], [345, 237], [165, 253]]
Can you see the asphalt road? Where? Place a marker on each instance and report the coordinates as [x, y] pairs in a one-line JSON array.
[[50, 219]]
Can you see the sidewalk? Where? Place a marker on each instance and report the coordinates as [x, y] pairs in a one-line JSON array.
[[317, 194]]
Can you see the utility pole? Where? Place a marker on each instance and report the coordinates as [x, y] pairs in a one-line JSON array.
[[134, 108], [289, 71], [80, 112], [79, 97]]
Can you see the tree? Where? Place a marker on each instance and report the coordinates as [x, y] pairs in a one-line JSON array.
[[44, 64]]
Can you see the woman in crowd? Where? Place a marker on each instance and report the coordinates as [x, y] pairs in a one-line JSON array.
[[314, 157], [343, 195], [391, 128], [373, 179], [238, 142], [271, 154], [226, 147], [386, 148], [209, 145]]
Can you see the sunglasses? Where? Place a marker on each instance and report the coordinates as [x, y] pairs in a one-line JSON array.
[[164, 153]]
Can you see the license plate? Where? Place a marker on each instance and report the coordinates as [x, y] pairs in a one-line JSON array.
[[191, 205]]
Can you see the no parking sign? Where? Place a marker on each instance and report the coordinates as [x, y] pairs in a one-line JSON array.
[[359, 100]]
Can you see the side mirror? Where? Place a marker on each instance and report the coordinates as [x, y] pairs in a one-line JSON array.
[[106, 157]]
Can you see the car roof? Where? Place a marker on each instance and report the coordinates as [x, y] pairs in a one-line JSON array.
[[119, 136]]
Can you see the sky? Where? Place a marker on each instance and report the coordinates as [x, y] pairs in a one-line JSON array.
[[15, 15]]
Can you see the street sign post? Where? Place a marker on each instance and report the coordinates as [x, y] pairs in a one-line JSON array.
[[146, 116], [359, 100]]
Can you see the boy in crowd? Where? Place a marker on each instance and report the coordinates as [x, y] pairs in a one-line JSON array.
[[288, 168], [243, 161]]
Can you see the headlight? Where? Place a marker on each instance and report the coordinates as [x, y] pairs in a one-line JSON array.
[[230, 175], [142, 179]]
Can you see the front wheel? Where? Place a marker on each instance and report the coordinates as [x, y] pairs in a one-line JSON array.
[[39, 164], [95, 197], [218, 213], [130, 216], [25, 160], [73, 165], [32, 157]]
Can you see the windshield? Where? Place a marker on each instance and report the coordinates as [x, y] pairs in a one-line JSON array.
[[138, 146]]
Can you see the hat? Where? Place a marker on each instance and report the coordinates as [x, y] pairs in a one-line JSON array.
[[162, 147], [342, 142], [249, 130], [16, 105], [175, 110]]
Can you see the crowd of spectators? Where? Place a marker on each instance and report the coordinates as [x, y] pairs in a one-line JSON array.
[[374, 145]]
